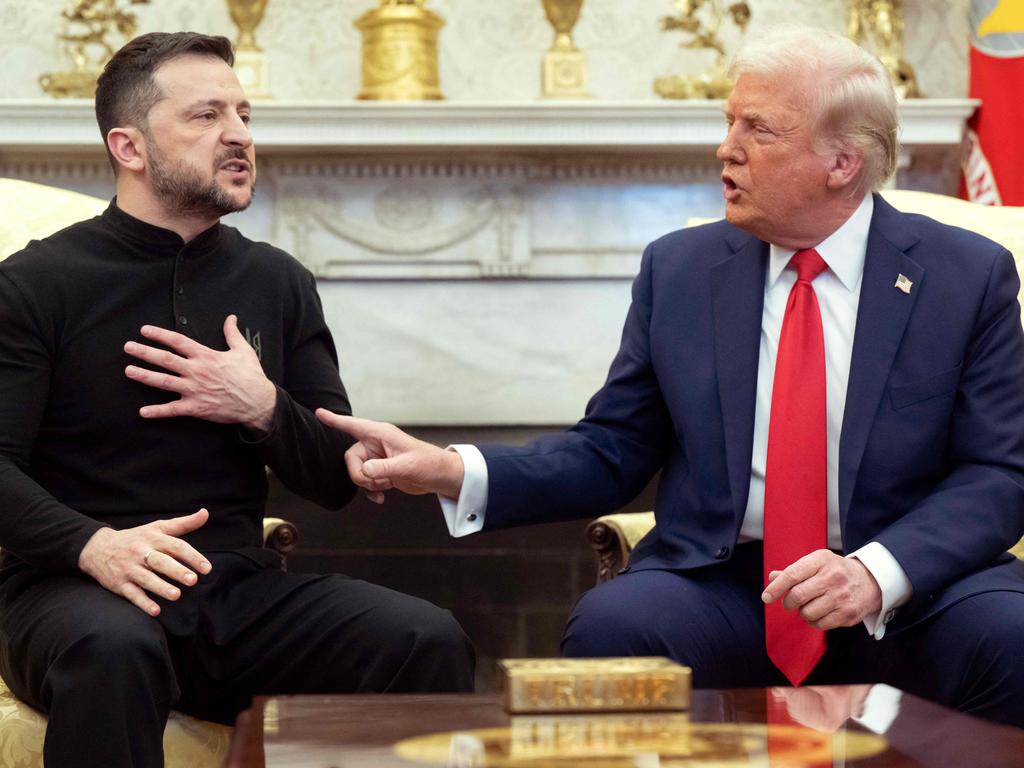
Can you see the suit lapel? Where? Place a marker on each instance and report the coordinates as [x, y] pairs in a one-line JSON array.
[[737, 298], [882, 316]]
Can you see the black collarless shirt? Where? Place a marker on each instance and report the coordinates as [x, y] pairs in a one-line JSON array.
[[74, 452]]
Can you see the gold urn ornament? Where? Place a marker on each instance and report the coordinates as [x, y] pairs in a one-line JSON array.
[[400, 52], [564, 71], [250, 63]]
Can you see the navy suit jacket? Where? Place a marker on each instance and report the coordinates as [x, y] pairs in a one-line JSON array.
[[931, 458]]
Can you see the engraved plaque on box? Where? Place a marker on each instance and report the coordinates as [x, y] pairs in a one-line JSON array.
[[634, 684]]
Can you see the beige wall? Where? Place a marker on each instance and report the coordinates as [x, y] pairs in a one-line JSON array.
[[490, 49]]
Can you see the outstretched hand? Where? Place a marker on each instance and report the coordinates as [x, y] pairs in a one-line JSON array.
[[130, 562], [385, 457], [225, 387]]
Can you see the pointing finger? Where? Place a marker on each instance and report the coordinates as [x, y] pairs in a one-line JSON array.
[[360, 429]]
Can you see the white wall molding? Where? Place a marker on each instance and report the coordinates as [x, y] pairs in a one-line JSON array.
[[638, 127]]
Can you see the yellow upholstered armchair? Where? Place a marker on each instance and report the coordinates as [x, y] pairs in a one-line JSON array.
[[33, 211], [614, 536]]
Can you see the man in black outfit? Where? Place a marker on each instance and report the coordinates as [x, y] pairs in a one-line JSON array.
[[152, 362]]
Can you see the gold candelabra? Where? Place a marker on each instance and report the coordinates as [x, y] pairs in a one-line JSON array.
[[93, 30], [250, 62], [400, 52], [703, 29], [880, 23], [564, 71]]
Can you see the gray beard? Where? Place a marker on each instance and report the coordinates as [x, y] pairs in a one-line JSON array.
[[181, 190]]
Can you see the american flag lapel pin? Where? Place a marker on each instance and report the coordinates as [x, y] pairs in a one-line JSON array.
[[904, 283]]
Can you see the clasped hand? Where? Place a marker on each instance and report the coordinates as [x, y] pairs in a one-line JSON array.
[[828, 589], [225, 387], [131, 562]]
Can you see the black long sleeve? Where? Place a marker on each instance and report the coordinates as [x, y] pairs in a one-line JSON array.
[[302, 452], [74, 452]]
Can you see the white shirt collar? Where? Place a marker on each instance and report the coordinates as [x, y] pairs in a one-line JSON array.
[[843, 251]]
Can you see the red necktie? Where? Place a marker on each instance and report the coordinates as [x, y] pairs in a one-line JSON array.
[[795, 495]]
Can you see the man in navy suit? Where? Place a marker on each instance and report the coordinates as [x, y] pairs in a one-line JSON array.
[[901, 442]]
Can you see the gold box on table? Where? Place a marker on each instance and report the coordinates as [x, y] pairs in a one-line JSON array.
[[629, 684]]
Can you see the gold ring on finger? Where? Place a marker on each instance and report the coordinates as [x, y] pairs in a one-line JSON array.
[[145, 559]]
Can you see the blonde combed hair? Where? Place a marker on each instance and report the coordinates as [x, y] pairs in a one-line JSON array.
[[853, 108]]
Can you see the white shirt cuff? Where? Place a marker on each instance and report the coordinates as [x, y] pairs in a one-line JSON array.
[[880, 707], [891, 579], [465, 515]]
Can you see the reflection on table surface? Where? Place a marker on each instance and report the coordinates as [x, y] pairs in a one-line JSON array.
[[613, 741], [810, 726]]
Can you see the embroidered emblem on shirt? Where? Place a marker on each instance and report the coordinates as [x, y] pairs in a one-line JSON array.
[[255, 343]]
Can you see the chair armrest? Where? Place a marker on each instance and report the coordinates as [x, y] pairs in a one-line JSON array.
[[613, 537], [279, 535], [1018, 549]]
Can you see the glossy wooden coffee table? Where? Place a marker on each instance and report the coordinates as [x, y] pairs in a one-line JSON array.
[[809, 727]]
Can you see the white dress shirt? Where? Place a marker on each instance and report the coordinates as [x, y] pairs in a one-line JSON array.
[[838, 293]]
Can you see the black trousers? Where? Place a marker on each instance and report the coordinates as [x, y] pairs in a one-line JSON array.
[[712, 619], [107, 674]]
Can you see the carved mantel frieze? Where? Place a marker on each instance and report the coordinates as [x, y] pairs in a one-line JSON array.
[[409, 228], [441, 217]]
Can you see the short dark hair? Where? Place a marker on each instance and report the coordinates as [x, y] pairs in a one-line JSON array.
[[126, 90]]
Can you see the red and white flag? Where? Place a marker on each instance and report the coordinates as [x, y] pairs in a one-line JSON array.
[[993, 160]]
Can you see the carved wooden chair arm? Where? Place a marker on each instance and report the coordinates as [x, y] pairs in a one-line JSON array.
[[279, 535], [613, 538]]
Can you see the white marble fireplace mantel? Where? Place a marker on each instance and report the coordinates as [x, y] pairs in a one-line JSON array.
[[475, 258], [642, 126]]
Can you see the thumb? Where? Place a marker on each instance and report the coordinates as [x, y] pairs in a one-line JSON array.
[[380, 469], [187, 523], [232, 335], [394, 469]]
